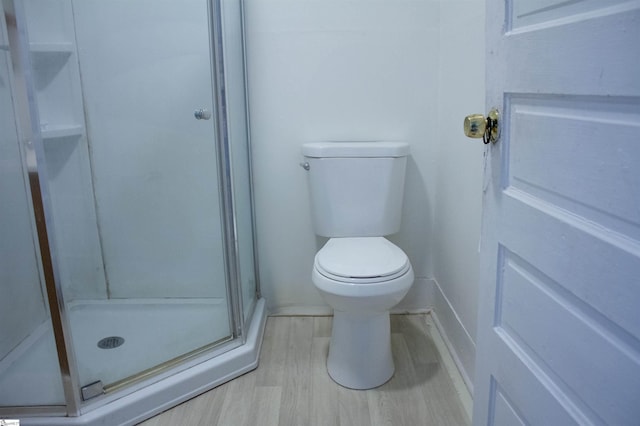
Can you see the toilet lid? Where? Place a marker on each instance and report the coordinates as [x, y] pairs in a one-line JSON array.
[[361, 257]]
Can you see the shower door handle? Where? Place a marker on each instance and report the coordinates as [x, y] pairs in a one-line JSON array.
[[202, 114]]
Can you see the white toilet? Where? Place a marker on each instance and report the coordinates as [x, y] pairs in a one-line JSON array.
[[356, 198]]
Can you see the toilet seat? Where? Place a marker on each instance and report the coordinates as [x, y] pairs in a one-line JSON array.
[[361, 260]]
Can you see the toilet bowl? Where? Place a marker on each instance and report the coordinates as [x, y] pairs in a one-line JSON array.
[[361, 279]]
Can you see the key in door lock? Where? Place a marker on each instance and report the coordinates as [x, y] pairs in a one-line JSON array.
[[477, 126]]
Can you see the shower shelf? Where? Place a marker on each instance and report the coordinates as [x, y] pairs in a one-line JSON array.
[[50, 57], [61, 47], [61, 131]]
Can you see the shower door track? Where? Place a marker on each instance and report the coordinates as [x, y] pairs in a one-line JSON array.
[[167, 365]]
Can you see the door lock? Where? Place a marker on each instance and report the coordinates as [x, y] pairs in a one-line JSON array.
[[477, 126]]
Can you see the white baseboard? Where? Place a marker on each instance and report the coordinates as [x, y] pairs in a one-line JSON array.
[[455, 336], [450, 365], [419, 300]]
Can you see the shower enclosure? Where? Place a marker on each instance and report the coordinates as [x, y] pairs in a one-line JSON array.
[[127, 256]]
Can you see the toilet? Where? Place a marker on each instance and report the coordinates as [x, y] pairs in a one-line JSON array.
[[356, 191]]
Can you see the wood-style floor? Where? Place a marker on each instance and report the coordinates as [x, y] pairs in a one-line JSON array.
[[291, 385]]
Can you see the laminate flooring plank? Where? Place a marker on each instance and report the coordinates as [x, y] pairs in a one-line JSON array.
[[443, 401], [353, 407], [272, 363], [237, 401], [438, 390], [202, 410], [437, 387], [291, 386], [324, 391], [157, 420], [295, 403], [206, 408], [400, 400], [322, 326], [419, 343], [265, 408]]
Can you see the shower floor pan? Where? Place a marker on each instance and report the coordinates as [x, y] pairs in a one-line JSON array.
[[153, 332]]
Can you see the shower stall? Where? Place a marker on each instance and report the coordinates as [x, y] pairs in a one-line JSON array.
[[127, 257]]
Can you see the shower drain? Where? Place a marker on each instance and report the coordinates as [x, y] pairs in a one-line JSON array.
[[110, 342]]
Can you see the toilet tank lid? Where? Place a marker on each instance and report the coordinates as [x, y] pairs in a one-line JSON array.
[[355, 149]]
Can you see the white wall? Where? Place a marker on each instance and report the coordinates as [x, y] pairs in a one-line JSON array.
[[337, 70], [371, 70], [458, 197]]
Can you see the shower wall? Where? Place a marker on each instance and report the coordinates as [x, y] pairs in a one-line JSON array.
[[60, 108], [124, 169], [154, 171]]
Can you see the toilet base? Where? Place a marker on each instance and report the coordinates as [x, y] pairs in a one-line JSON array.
[[360, 349]]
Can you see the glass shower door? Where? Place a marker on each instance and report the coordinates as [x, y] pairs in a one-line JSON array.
[[29, 371], [133, 180]]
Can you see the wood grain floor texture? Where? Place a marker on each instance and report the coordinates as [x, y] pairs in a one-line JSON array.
[[291, 386]]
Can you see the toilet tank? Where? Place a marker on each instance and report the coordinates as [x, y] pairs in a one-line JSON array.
[[356, 188]]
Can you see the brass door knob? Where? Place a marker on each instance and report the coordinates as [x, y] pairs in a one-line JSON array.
[[477, 126]]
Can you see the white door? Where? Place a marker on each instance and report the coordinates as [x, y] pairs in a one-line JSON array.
[[559, 322]]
